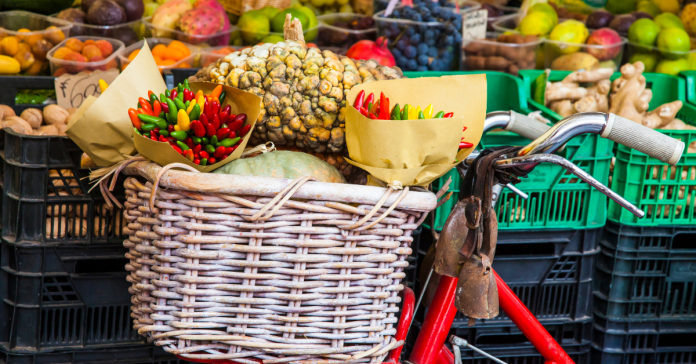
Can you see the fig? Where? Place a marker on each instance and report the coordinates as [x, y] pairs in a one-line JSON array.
[[134, 8], [72, 15], [599, 19], [40, 48], [106, 12], [85, 4], [622, 22], [641, 15]]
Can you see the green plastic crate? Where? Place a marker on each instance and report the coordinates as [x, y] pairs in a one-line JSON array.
[[690, 86], [667, 194]]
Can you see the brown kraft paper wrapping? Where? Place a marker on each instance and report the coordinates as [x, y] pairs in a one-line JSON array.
[[106, 134], [416, 152]]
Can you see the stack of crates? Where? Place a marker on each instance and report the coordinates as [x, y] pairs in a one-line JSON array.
[[65, 297], [547, 244]]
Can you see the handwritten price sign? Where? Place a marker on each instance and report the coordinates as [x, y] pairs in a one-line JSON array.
[[72, 90]]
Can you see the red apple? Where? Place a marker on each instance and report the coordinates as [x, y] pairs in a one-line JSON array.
[[604, 37]]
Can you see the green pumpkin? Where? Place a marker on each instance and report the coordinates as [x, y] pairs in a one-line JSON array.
[[283, 164]]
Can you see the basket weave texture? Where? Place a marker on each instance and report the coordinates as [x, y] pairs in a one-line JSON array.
[[256, 276]]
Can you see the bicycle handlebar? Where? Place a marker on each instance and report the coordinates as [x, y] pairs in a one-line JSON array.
[[643, 139], [526, 126]]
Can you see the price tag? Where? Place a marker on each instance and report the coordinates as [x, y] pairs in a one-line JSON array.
[[72, 90], [475, 24]]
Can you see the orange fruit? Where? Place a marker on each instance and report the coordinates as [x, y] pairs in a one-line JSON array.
[[90, 51], [166, 62], [105, 47], [158, 59], [74, 44], [159, 50], [133, 54], [60, 71], [174, 54], [175, 44], [23, 30], [62, 52], [55, 35], [88, 42], [184, 65], [9, 46]]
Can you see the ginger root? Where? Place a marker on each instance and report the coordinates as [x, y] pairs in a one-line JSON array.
[[629, 98], [663, 115]]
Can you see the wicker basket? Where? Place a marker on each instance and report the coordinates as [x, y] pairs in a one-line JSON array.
[[239, 7], [252, 268]]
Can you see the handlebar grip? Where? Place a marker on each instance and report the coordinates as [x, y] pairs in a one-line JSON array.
[[526, 126], [643, 139]]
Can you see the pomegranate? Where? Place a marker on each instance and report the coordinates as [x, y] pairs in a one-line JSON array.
[[376, 51]]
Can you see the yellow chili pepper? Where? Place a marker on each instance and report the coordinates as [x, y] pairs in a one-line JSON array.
[[201, 101], [216, 92], [191, 105], [183, 121], [103, 85], [199, 94], [413, 113], [177, 128], [428, 112]]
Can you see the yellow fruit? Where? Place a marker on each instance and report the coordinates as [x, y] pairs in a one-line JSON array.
[[668, 6], [23, 30], [537, 23], [9, 46], [8, 65], [688, 17], [25, 59]]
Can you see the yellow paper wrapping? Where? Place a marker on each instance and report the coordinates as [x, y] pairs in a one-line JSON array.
[[240, 102], [416, 152], [102, 128], [105, 131]]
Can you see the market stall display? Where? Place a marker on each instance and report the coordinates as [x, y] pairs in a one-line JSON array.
[[119, 19], [168, 53], [83, 53], [344, 30], [266, 24], [502, 52], [26, 39], [205, 22]]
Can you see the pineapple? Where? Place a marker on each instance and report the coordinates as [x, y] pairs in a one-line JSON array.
[[303, 89]]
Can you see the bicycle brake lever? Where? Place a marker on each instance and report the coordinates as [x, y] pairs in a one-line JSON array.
[[572, 168]]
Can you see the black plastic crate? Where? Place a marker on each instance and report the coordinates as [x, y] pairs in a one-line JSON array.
[[176, 76], [149, 354], [509, 344], [64, 298], [12, 84], [646, 342], [549, 270], [46, 198], [647, 276]]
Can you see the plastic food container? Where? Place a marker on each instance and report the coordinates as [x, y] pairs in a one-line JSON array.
[[501, 52], [128, 33], [211, 55], [30, 48], [204, 41], [250, 38], [505, 10], [421, 46], [331, 35], [187, 62], [658, 61], [61, 66], [565, 56]]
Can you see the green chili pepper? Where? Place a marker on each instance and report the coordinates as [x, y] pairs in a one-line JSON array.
[[187, 103], [137, 131], [396, 113], [167, 93], [369, 107], [161, 115], [139, 106], [228, 142], [205, 141], [179, 135], [195, 112], [186, 85], [147, 127], [164, 133], [159, 122], [179, 104], [182, 145], [204, 161], [172, 112], [153, 98], [404, 112], [223, 94], [214, 140], [147, 135], [421, 115], [163, 98], [210, 149], [180, 89], [196, 140], [439, 115]]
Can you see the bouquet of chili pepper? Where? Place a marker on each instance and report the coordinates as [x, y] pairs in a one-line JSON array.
[[195, 125], [379, 110]]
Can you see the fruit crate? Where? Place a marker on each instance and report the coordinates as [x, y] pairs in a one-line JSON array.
[[64, 298], [507, 342], [646, 273], [662, 191], [644, 342], [143, 354], [13, 85], [549, 270], [46, 201]]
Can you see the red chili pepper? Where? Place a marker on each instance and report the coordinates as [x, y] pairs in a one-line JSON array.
[[155, 131], [197, 161], [212, 160], [224, 116], [215, 107], [197, 149], [383, 107], [172, 95], [189, 155], [369, 100], [163, 139], [170, 128], [238, 122], [149, 94], [464, 129], [215, 122], [142, 111], [364, 112], [359, 100], [448, 115], [222, 133], [165, 107], [156, 108], [227, 109], [153, 137], [219, 152], [204, 119], [198, 128], [209, 130], [146, 106], [372, 116], [178, 150], [463, 145], [133, 115], [189, 142], [188, 95], [244, 130], [232, 135], [204, 154], [229, 150], [206, 110]]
